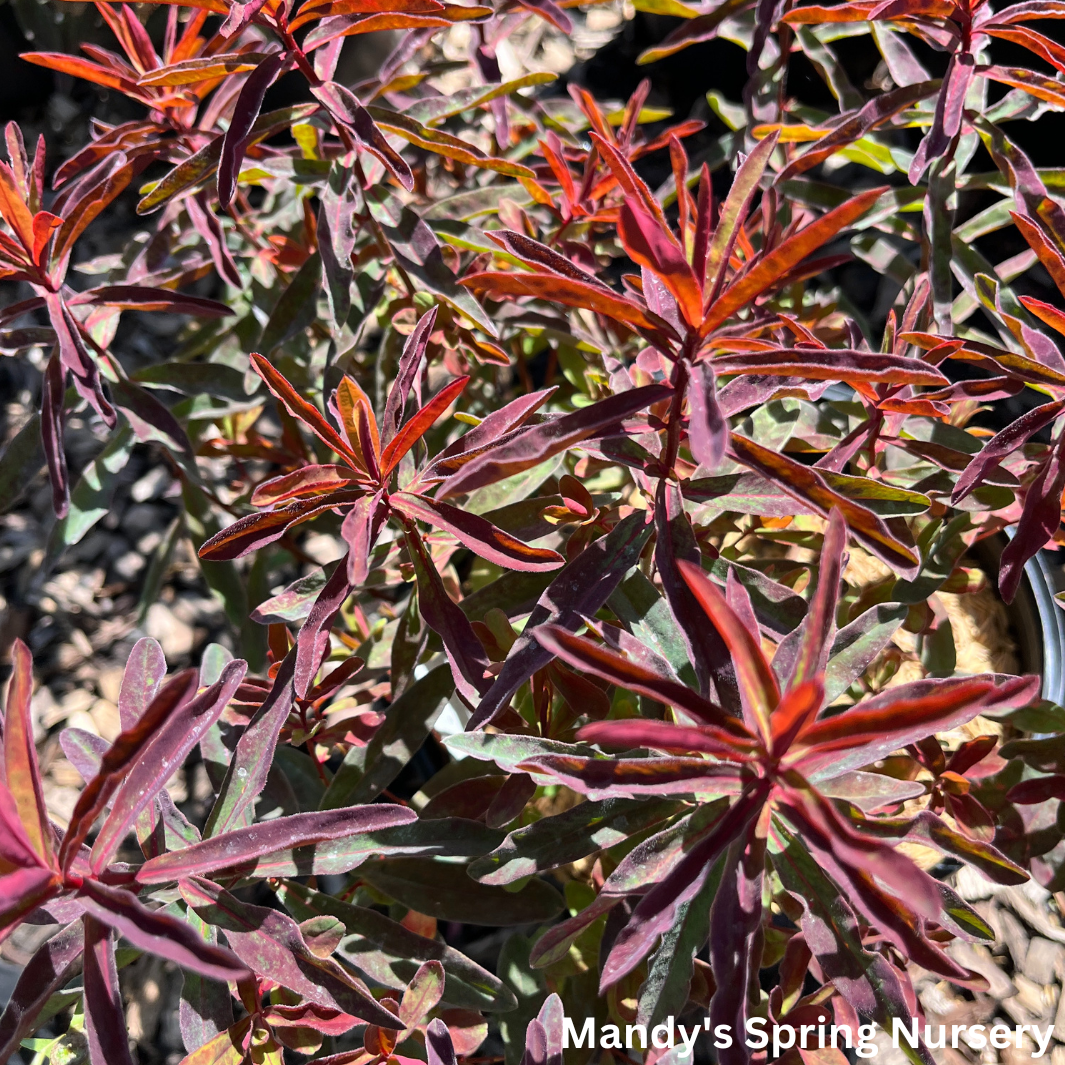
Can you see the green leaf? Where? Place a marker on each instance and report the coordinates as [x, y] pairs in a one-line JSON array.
[[367, 771], [296, 308], [196, 378], [856, 646], [91, 498], [22, 460], [389, 954], [567, 837], [444, 891]]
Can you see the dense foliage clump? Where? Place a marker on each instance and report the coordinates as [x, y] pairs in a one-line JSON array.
[[600, 460]]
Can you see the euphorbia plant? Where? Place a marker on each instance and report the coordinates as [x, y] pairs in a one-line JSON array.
[[590, 457]]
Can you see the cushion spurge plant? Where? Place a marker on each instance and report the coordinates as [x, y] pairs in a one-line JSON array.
[[626, 685]]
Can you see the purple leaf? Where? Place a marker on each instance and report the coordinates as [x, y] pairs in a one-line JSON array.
[[360, 529], [478, 534], [406, 375], [819, 626], [540, 442], [735, 923], [245, 112], [54, 964], [312, 643], [120, 758], [1039, 521], [707, 428], [343, 105], [676, 540], [76, 359], [208, 225], [950, 105], [438, 1045], [159, 933], [141, 680], [105, 1022], [254, 755], [52, 401], [469, 663], [164, 755], [632, 778], [240, 848], [499, 424], [580, 589], [655, 912], [145, 298], [272, 945], [1003, 444]]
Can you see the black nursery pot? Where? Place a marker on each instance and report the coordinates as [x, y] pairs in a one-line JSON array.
[[1037, 622]]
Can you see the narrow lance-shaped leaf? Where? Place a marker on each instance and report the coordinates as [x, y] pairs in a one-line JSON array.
[[733, 212], [469, 664], [159, 933], [780, 260], [707, 426], [51, 968], [540, 442], [593, 575], [242, 846], [478, 534], [245, 112], [120, 758], [419, 424], [105, 1022], [174, 737], [271, 944], [21, 771], [758, 685], [246, 776], [409, 364], [1040, 519], [1004, 444]]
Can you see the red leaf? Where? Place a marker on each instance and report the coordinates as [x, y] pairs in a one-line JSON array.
[[781, 259], [573, 294], [652, 245], [724, 731], [301, 408], [758, 683], [478, 534], [420, 424]]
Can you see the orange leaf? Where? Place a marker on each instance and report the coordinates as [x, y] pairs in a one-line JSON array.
[[301, 408], [14, 209], [779, 261], [573, 294], [753, 672], [20, 754], [44, 225], [420, 424]]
